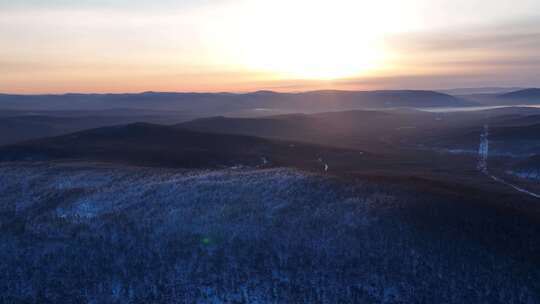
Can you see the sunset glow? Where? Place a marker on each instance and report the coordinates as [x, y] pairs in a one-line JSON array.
[[242, 45], [305, 39]]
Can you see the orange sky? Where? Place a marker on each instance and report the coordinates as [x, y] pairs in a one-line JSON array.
[[61, 46]]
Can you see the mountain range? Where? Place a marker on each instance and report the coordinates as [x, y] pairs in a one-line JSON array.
[[228, 102]]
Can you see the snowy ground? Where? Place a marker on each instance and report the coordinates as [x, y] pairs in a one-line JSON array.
[[483, 156], [88, 233], [531, 174]]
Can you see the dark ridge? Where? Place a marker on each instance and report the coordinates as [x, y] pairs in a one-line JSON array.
[[158, 145], [523, 94]]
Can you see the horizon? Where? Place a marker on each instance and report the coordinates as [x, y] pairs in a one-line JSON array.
[[442, 91], [53, 47]]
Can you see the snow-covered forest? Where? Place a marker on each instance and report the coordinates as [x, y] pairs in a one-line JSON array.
[[530, 174], [89, 233]]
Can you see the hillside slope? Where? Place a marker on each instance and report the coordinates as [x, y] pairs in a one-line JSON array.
[[108, 234], [525, 96], [149, 144]]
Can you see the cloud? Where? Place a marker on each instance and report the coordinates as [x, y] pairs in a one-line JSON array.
[[518, 35]]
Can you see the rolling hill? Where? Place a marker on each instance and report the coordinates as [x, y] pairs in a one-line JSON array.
[[222, 103], [527, 96], [17, 126], [157, 145], [360, 129]]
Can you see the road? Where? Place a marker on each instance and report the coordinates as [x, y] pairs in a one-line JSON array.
[[483, 155]]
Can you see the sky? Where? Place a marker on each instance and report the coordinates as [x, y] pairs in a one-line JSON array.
[[59, 46]]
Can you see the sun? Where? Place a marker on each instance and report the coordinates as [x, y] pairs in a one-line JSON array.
[[303, 39], [324, 57]]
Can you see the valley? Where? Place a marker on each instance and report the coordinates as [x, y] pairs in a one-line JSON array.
[[385, 205]]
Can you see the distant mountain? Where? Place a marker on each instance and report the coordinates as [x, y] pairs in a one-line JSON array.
[[526, 96], [482, 90], [157, 145], [224, 103], [348, 100], [371, 130], [345, 129], [16, 126], [518, 97], [512, 131], [19, 128]]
